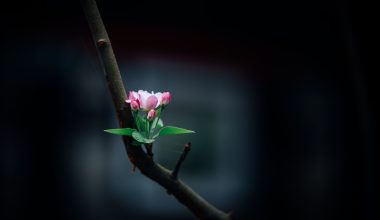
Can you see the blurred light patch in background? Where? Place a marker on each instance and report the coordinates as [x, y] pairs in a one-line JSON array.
[[210, 99]]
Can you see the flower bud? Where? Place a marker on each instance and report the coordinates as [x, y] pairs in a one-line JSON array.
[[133, 96], [135, 105], [166, 98], [151, 114]]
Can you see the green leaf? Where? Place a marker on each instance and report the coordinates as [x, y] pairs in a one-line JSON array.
[[149, 141], [121, 131], [138, 137], [154, 123], [171, 130], [160, 123], [140, 123], [157, 123]]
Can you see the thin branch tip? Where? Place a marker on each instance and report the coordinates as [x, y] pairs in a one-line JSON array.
[[186, 150], [188, 146]]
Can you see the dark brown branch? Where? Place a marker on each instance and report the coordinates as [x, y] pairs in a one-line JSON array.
[[149, 149], [183, 193], [186, 150]]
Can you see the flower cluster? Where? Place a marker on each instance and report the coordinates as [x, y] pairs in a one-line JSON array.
[[148, 102], [146, 110]]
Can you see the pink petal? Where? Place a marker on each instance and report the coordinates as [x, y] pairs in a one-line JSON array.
[[135, 105], [166, 98], [151, 102]]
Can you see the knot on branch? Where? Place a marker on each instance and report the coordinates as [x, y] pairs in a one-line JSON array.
[[101, 42]]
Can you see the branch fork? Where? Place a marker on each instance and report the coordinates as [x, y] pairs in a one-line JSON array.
[[140, 159]]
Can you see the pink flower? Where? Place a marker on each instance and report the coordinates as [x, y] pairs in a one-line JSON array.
[[151, 115], [133, 96], [135, 105], [148, 100], [166, 98], [134, 101]]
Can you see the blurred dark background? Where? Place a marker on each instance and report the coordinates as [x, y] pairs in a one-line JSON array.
[[280, 93]]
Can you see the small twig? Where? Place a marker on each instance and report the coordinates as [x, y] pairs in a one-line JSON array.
[[180, 160]]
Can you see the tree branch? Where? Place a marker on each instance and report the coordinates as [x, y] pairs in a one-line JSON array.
[[180, 160], [183, 193], [149, 149]]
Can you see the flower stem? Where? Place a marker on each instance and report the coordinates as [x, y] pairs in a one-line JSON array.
[[148, 129]]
